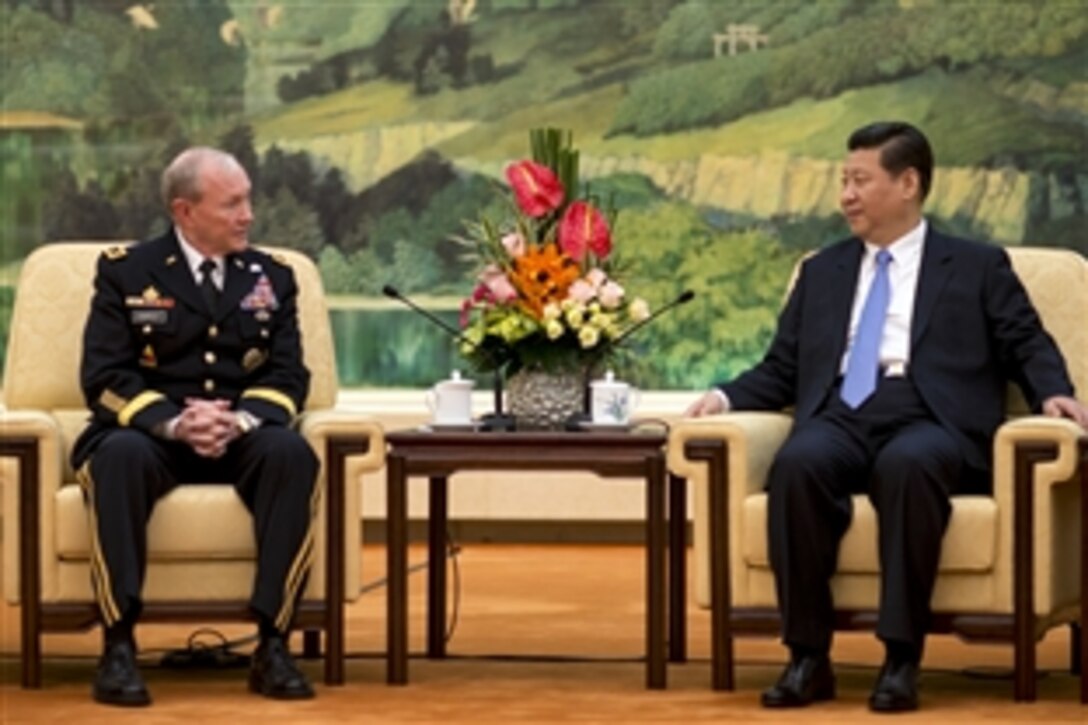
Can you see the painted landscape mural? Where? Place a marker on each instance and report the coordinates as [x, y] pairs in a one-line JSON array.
[[374, 130]]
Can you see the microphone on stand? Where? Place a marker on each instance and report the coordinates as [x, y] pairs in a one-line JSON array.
[[682, 299], [492, 421]]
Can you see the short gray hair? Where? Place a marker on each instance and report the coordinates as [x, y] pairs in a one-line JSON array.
[[181, 179]]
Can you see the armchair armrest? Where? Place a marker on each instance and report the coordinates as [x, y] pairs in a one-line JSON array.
[[320, 426], [31, 471], [751, 439], [347, 446], [1036, 465]]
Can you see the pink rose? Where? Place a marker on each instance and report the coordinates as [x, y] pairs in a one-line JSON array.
[[498, 284], [610, 295], [581, 291], [596, 277], [514, 244]]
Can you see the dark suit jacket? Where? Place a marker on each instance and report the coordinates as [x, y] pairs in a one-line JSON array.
[[151, 341], [973, 330]]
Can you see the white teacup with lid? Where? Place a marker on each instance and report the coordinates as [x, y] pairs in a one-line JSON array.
[[450, 401], [612, 401]]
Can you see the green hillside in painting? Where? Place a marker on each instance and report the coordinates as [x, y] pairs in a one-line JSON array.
[[373, 131]]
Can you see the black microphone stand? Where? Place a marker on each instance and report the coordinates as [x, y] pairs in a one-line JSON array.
[[496, 420]]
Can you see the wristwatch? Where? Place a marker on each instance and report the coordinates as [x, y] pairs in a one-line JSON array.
[[243, 422]]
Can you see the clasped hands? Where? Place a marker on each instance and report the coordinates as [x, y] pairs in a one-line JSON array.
[[208, 426]]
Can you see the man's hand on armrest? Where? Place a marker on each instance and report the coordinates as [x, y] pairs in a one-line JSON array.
[[1062, 406], [711, 403]]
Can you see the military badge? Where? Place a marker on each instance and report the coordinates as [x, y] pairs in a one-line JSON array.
[[261, 297], [253, 359], [147, 357], [150, 298]]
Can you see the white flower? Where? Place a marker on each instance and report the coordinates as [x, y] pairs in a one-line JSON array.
[[576, 316], [554, 329], [596, 277], [638, 310], [588, 336], [551, 312]]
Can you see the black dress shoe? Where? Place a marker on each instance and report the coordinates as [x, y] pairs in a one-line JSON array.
[[896, 688], [118, 681], [274, 673], [805, 680]]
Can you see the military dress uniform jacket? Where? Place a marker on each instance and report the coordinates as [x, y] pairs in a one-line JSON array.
[[151, 341]]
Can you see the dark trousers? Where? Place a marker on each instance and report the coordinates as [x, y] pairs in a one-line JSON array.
[[273, 470], [892, 449]]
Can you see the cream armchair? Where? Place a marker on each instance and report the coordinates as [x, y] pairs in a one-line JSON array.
[[201, 549], [1010, 565]]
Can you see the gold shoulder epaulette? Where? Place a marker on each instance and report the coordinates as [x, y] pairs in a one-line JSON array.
[[115, 253]]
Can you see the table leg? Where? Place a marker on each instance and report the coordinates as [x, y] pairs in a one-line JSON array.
[[655, 573], [397, 570], [678, 550], [436, 570]]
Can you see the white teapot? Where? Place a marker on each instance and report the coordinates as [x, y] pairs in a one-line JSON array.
[[450, 401], [612, 401]]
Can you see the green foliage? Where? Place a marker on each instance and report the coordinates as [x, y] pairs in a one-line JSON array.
[[97, 63], [620, 191], [835, 47], [738, 278], [361, 272], [415, 267], [283, 220]]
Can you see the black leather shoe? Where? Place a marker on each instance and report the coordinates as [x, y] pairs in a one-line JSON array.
[[896, 688], [118, 681], [274, 673], [805, 680]]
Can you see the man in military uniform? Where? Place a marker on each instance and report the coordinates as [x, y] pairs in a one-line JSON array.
[[193, 371]]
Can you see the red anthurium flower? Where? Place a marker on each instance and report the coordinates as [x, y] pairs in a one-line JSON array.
[[536, 187], [584, 228]]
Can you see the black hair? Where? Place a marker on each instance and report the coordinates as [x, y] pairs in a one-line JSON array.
[[902, 147]]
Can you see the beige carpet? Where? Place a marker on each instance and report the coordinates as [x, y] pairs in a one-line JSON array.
[[548, 602]]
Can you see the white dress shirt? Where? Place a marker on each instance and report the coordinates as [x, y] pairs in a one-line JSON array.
[[195, 259], [902, 285]]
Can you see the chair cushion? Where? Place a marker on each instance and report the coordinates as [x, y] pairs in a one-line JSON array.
[[970, 543], [192, 522]]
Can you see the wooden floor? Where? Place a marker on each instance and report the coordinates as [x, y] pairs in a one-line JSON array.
[[545, 633]]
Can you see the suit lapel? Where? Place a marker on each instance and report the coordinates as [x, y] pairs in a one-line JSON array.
[[935, 271], [173, 273], [843, 285]]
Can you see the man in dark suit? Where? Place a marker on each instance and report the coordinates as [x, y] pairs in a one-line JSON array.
[[193, 371], [895, 349]]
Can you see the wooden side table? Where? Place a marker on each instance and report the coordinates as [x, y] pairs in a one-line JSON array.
[[438, 455]]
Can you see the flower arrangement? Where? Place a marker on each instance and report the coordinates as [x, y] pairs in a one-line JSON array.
[[547, 296]]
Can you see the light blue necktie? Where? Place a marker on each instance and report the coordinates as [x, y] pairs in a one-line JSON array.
[[862, 365]]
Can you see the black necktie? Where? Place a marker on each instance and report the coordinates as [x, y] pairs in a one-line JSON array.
[[207, 285]]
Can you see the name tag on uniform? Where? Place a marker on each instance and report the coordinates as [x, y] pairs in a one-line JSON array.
[[148, 317]]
